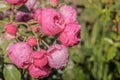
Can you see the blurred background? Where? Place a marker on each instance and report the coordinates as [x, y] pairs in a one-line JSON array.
[[97, 57]]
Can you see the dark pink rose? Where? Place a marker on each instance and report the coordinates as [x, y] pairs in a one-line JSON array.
[[11, 29], [69, 14], [19, 54], [39, 58], [51, 21], [57, 56], [23, 16], [71, 34], [37, 72], [17, 2], [32, 41]]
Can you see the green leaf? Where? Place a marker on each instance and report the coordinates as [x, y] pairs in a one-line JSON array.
[[4, 6], [111, 53], [95, 31], [11, 73], [118, 66], [87, 14], [2, 24], [23, 9], [4, 43]]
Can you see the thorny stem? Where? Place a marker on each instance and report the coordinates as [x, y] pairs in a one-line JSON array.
[[55, 41], [32, 22], [45, 43], [6, 63], [38, 44], [37, 40], [27, 24], [12, 13], [18, 23], [118, 28]]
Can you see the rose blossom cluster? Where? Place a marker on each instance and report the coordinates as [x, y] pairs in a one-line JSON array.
[[62, 22], [38, 63]]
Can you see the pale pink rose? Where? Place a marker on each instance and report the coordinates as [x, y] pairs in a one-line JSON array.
[[9, 37], [71, 34], [39, 58], [54, 2], [23, 16], [30, 4], [58, 56], [17, 2], [11, 29], [37, 14], [51, 21], [32, 41], [19, 53], [69, 14], [37, 72]]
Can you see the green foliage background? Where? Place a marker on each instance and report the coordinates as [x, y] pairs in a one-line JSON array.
[[97, 57]]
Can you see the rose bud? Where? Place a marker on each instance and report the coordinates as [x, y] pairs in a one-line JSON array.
[[51, 21], [57, 56], [54, 3], [23, 16], [37, 72], [11, 29], [19, 53], [9, 37], [39, 58], [35, 29], [69, 14], [32, 41], [17, 2], [71, 34]]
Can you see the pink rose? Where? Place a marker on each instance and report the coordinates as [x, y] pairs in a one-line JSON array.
[[69, 14], [37, 14], [23, 16], [32, 41], [11, 29], [51, 21], [37, 72], [39, 58], [30, 4], [19, 54], [58, 56], [71, 34], [17, 2], [54, 2], [9, 37]]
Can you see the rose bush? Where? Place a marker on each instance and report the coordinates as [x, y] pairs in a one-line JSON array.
[[27, 29]]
